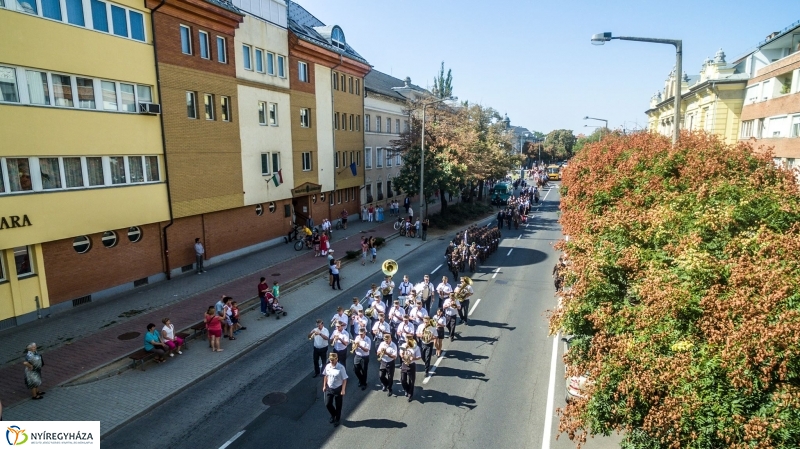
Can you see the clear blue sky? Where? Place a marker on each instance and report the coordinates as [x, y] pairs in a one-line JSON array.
[[533, 60]]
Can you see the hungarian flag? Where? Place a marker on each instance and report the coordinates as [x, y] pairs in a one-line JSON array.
[[277, 178], [353, 168]]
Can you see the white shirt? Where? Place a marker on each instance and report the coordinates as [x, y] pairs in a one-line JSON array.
[[389, 285], [391, 351], [198, 249], [379, 329], [343, 318], [416, 354], [335, 375], [444, 290], [342, 342], [358, 323], [396, 314], [450, 307], [421, 330], [363, 346], [355, 308], [422, 286], [405, 288], [320, 342], [379, 306], [441, 321], [417, 314], [403, 329]]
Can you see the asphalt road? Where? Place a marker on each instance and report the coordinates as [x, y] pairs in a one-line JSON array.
[[490, 388]]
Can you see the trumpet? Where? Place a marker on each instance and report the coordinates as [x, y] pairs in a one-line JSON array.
[[355, 344], [313, 334], [334, 321], [334, 340], [381, 352]]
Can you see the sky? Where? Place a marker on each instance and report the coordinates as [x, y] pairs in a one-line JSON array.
[[533, 59]]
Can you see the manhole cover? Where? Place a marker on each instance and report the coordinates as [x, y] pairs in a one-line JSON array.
[[274, 399], [276, 274], [129, 335], [500, 282]]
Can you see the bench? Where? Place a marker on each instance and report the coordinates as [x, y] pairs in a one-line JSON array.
[[141, 356], [185, 337], [199, 328]]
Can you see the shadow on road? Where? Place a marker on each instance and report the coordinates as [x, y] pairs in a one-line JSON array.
[[489, 340], [449, 399], [375, 424], [464, 356], [474, 322], [461, 373]]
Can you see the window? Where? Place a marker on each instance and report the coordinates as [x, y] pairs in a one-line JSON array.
[[51, 9], [337, 38], [109, 91], [358, 87], [225, 108], [336, 160], [397, 126], [281, 66], [186, 39], [302, 72], [19, 174], [151, 168], [777, 126], [208, 106], [81, 244], [273, 114], [120, 21], [38, 89], [331, 198], [127, 97], [136, 169], [145, 93], [8, 85], [335, 81], [350, 84], [388, 125], [117, 166], [205, 52], [339, 197], [246, 55], [85, 93], [709, 125], [109, 239], [50, 173], [137, 25], [191, 110], [259, 60], [352, 119], [305, 118], [344, 86], [271, 63], [378, 124], [75, 13], [380, 191], [389, 157], [100, 16], [265, 164], [369, 193], [389, 192], [358, 159], [262, 113], [134, 234], [22, 259], [62, 90], [366, 123], [276, 162], [378, 157], [796, 126], [367, 157], [73, 172], [306, 161], [222, 50], [405, 125], [94, 169], [397, 159], [358, 123], [336, 120], [747, 129]]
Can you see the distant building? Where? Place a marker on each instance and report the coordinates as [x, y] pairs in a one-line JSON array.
[[771, 112]]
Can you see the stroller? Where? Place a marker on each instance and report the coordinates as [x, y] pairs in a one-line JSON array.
[[274, 307]]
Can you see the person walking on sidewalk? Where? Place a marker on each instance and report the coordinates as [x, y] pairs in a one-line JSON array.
[[263, 288], [214, 327], [425, 224], [407, 203], [344, 218], [323, 244], [199, 254], [334, 384], [364, 250], [337, 265], [33, 371], [363, 213], [320, 336]]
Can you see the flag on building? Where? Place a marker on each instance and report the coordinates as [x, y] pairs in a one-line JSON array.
[[353, 168], [277, 178]]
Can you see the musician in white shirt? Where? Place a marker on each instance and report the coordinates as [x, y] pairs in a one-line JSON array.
[[340, 339], [425, 290], [418, 313], [340, 316], [334, 384], [361, 359], [387, 353], [360, 322], [441, 321], [444, 290], [404, 289], [451, 307], [381, 329], [426, 348], [463, 312], [396, 314], [404, 329], [320, 336], [408, 369], [387, 285], [354, 308]]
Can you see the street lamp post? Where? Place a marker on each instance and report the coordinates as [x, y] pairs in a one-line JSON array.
[[602, 38], [598, 119], [422, 157]]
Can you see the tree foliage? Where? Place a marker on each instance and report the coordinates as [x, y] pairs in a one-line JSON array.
[[559, 145], [443, 84], [595, 136], [683, 293]]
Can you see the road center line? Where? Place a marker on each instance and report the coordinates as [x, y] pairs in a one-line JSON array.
[[495, 272], [478, 301], [520, 236], [545, 195], [437, 268], [433, 368], [509, 252], [228, 443], [548, 416]]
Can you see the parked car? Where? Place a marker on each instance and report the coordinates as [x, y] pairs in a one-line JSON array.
[[501, 192], [576, 385]]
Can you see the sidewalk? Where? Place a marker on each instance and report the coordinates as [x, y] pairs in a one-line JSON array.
[[118, 399], [84, 339]]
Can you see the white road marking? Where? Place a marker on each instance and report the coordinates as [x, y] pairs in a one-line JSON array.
[[545, 195], [520, 236], [474, 306], [437, 268], [433, 369], [495, 273], [509, 252], [228, 443], [548, 416]]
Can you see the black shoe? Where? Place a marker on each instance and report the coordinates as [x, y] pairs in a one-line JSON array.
[[363, 387], [336, 423], [389, 393], [332, 420], [409, 398], [384, 389], [315, 375]]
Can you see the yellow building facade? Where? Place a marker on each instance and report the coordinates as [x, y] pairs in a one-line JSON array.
[[711, 101], [81, 160]]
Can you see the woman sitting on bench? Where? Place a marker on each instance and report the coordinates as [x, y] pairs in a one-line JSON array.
[[153, 344]]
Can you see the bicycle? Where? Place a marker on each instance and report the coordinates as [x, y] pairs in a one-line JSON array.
[[399, 223], [338, 225]]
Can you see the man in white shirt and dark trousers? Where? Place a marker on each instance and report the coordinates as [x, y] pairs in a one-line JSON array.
[[463, 312], [387, 353], [199, 255], [387, 285], [425, 288], [334, 384], [444, 289], [396, 314], [451, 307], [408, 369], [404, 289], [320, 336], [340, 339], [361, 360]]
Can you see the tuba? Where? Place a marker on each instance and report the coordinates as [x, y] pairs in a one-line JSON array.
[[461, 294], [427, 333], [369, 312], [389, 267]]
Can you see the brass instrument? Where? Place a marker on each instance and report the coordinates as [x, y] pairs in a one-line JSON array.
[[369, 312], [335, 339], [461, 294], [427, 333], [408, 353], [355, 345], [382, 352], [313, 334], [389, 267], [348, 312], [386, 291]]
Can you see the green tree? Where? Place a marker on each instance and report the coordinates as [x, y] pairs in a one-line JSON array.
[[595, 136], [559, 145], [443, 84]]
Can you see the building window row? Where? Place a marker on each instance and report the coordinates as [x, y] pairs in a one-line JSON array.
[[205, 44], [82, 244], [346, 122], [263, 61], [772, 127], [209, 106], [346, 83], [97, 15], [392, 157], [34, 87], [270, 158], [354, 157], [39, 174], [267, 113]]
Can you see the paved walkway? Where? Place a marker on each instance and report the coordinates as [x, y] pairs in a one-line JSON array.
[[84, 339]]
